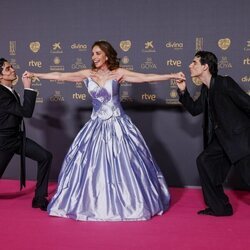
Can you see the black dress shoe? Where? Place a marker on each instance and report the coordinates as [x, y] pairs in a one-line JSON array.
[[40, 202], [208, 211]]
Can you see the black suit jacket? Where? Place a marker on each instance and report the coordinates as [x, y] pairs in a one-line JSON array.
[[11, 115], [231, 109]]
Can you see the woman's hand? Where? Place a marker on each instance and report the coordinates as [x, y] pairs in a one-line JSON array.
[[180, 76], [28, 74]]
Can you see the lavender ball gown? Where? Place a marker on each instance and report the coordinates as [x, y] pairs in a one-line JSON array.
[[109, 173]]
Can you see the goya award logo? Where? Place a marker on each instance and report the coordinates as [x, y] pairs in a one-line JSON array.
[[125, 96], [35, 46], [78, 64], [149, 64], [173, 93], [224, 63], [224, 43], [125, 45], [57, 97], [14, 64], [196, 81], [39, 99], [14, 82]]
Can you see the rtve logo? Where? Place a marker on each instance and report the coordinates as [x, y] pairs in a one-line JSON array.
[[79, 96], [148, 97], [246, 61], [33, 63], [172, 62]]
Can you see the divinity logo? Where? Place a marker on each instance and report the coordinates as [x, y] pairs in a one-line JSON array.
[[245, 79], [79, 47], [174, 45]]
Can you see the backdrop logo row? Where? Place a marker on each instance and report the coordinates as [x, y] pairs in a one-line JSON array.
[[153, 56]]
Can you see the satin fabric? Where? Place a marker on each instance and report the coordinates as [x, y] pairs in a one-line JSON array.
[[109, 173]]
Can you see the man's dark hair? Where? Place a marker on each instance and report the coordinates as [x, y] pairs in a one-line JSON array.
[[210, 59], [2, 61]]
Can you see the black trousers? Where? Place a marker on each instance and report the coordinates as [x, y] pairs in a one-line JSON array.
[[35, 152], [213, 166]]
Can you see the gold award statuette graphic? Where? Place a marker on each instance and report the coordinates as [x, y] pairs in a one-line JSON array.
[[35, 46], [224, 43], [15, 81], [125, 45], [173, 93], [57, 60], [196, 81], [125, 60]]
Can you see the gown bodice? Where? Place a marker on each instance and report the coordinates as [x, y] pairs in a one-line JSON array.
[[105, 99]]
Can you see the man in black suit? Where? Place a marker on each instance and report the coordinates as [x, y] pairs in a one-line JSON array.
[[226, 130], [12, 132]]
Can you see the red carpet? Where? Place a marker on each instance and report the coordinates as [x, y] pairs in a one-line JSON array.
[[23, 227]]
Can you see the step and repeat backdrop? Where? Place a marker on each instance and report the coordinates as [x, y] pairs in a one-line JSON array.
[[150, 37]]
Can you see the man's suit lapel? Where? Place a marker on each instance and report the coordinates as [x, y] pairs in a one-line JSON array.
[[12, 95], [16, 96]]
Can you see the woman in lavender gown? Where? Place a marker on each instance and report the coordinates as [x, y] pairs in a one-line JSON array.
[[108, 173]]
